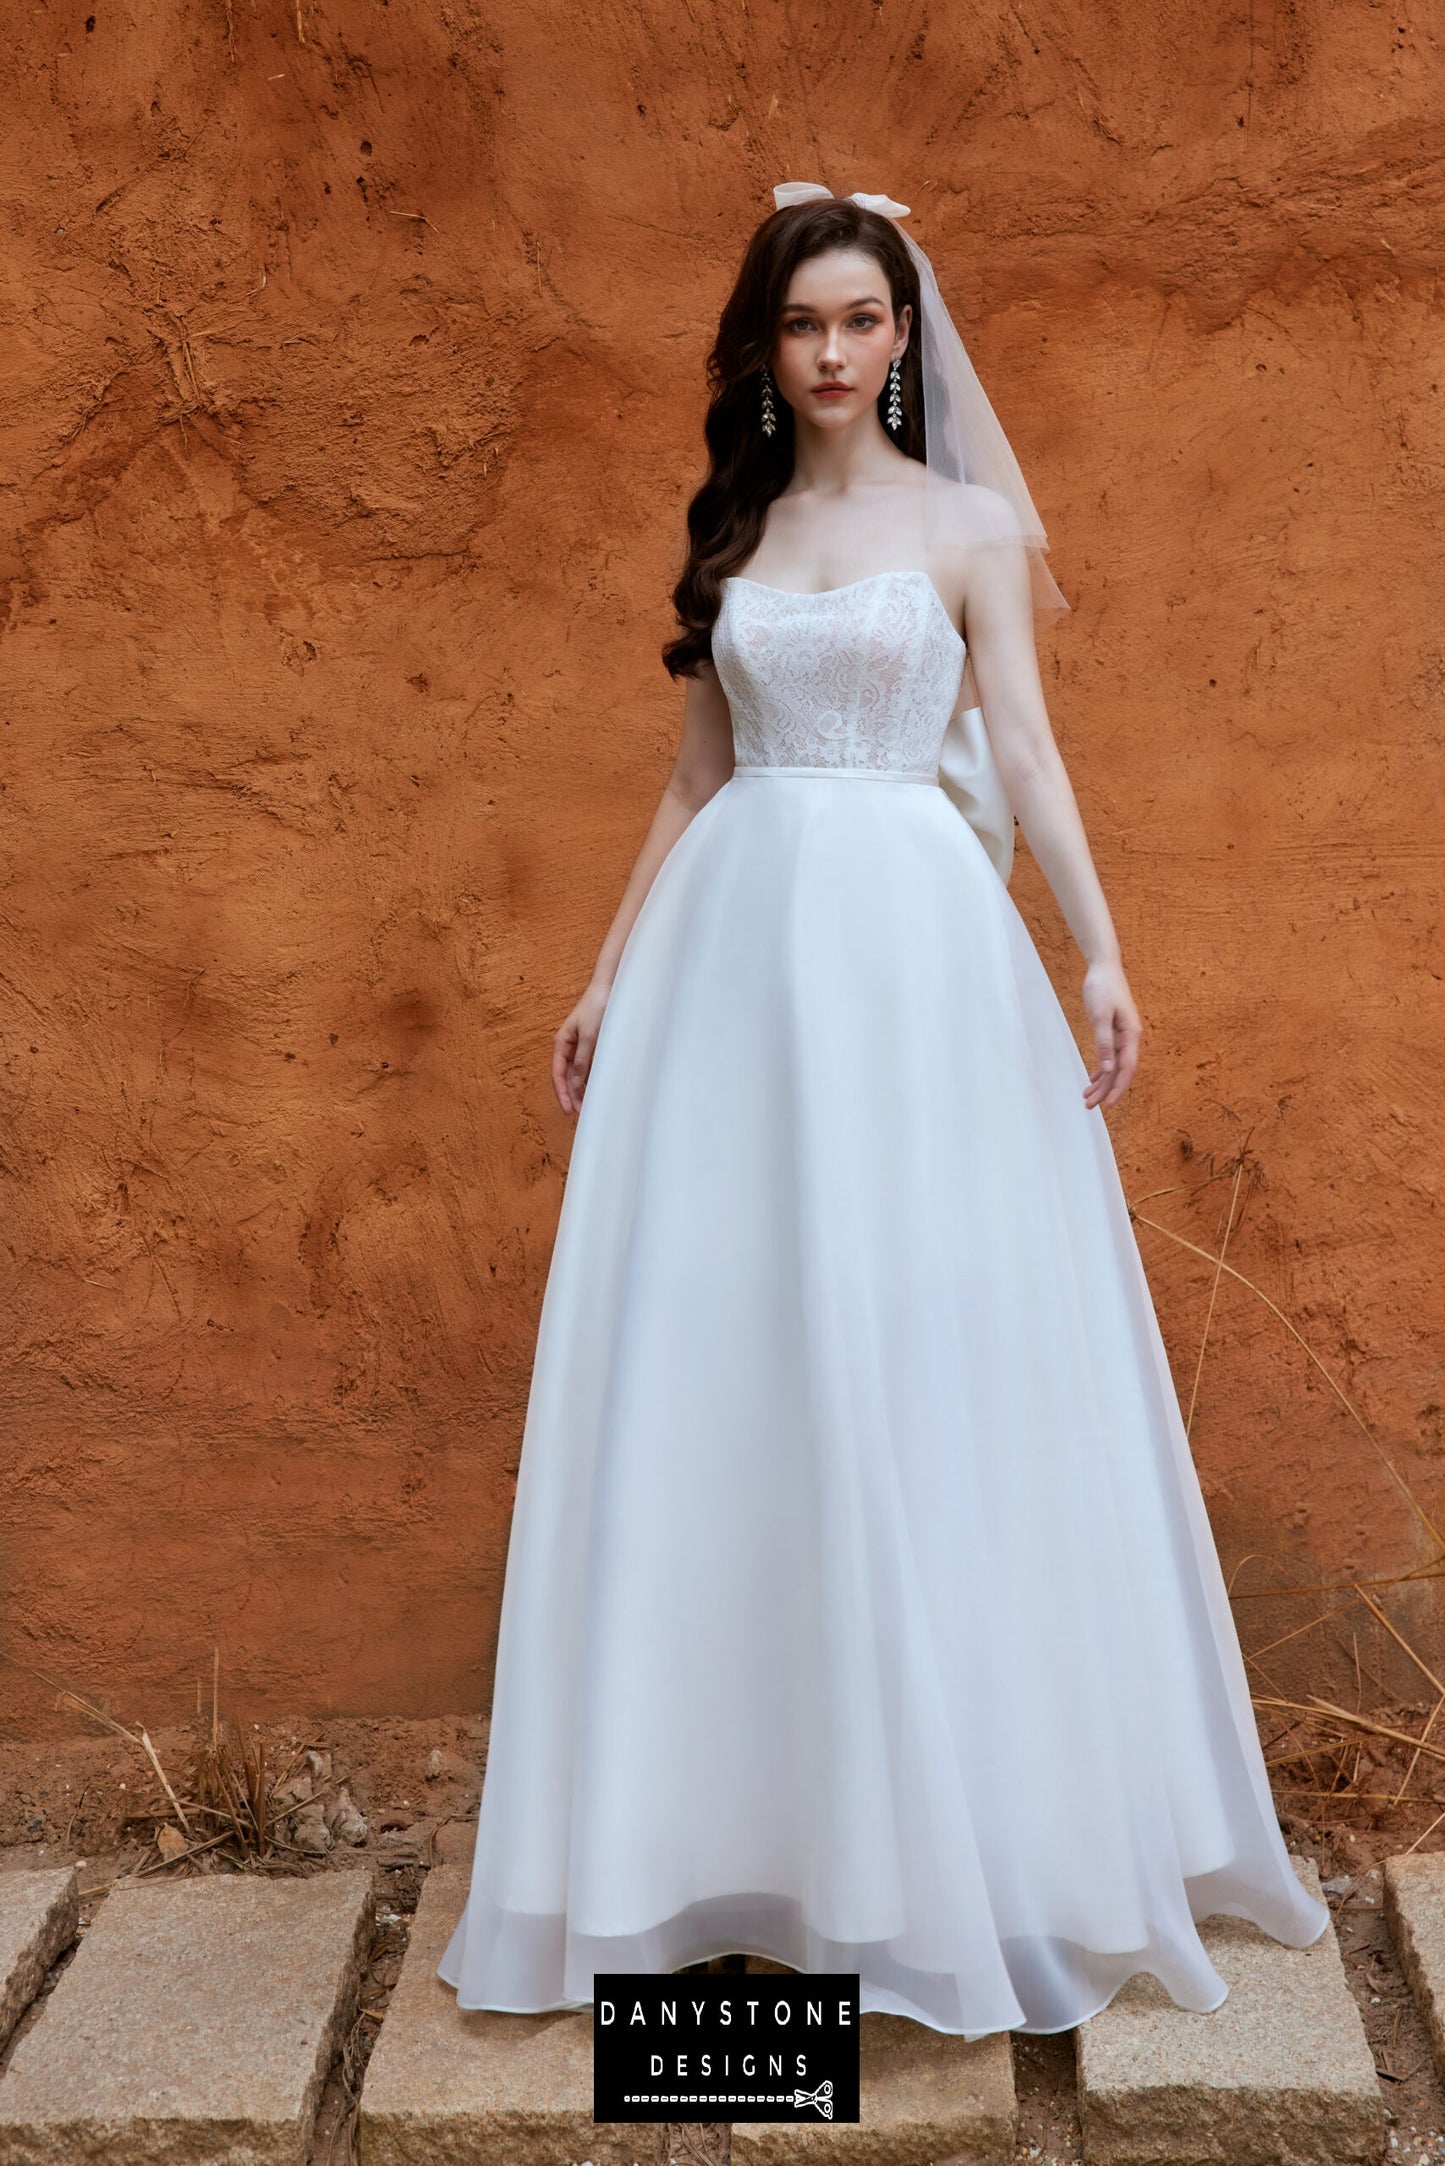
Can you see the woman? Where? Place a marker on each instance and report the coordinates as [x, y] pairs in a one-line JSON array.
[[862, 1609]]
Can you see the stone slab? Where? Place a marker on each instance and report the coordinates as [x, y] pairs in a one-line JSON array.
[[1280, 2075], [39, 1916], [1415, 1915], [456, 2087], [925, 2098], [447, 2086], [195, 2023]]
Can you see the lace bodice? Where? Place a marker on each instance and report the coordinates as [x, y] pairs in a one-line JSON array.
[[863, 676]]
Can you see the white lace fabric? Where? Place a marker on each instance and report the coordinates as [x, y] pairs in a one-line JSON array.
[[861, 677]]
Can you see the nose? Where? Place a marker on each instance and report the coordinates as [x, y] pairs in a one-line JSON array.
[[832, 354]]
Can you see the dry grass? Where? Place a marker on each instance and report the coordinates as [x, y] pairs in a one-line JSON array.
[[221, 1807], [1333, 1743]]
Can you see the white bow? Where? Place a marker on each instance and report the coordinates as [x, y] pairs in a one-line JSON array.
[[788, 192]]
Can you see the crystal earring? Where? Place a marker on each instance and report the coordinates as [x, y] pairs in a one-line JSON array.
[[770, 419], [895, 395]]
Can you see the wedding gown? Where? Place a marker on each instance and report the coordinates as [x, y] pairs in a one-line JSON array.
[[861, 1607]]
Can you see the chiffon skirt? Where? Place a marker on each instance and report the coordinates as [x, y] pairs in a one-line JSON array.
[[861, 1609]]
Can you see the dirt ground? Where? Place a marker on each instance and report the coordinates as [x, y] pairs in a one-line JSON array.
[[96, 1798], [96, 1801]]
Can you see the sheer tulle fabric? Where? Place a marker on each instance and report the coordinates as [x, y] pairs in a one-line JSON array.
[[862, 1609], [964, 441]]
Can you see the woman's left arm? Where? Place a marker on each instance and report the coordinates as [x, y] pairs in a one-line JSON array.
[[999, 628]]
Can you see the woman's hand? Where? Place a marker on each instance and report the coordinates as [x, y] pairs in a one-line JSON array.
[[1110, 1008], [573, 1047]]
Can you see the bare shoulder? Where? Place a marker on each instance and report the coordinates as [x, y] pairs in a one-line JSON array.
[[966, 523], [969, 513]]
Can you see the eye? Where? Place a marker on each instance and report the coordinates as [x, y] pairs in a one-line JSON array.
[[865, 319]]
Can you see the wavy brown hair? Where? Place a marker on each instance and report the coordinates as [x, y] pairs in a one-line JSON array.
[[747, 469]]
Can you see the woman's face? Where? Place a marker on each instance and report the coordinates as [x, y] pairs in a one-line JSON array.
[[836, 337]]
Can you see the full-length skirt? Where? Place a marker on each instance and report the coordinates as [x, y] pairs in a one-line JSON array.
[[862, 1609]]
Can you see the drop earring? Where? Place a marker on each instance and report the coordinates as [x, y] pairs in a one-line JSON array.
[[770, 419], [895, 395]]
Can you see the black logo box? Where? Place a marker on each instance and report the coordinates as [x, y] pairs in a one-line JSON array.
[[741, 2046]]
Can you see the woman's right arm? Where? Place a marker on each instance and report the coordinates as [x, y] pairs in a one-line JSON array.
[[704, 763]]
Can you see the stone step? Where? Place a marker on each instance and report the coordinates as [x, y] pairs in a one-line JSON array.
[[1280, 2075], [479, 2087], [450, 2087], [196, 2021], [1415, 1915], [924, 2097], [39, 1916]]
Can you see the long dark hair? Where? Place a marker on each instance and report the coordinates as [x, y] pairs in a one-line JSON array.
[[747, 469]]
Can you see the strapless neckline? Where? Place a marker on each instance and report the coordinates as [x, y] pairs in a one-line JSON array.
[[822, 594]]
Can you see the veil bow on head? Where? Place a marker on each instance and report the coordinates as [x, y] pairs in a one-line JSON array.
[[963, 442]]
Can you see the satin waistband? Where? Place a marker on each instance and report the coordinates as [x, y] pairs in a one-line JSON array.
[[852, 774]]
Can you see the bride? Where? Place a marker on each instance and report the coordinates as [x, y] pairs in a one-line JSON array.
[[862, 1610]]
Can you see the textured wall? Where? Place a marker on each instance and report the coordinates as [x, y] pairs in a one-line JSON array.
[[353, 363]]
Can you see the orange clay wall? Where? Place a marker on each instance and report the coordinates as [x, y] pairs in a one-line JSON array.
[[353, 364]]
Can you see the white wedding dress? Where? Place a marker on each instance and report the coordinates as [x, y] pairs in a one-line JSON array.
[[861, 1608]]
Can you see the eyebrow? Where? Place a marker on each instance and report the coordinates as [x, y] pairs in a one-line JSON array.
[[851, 304]]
